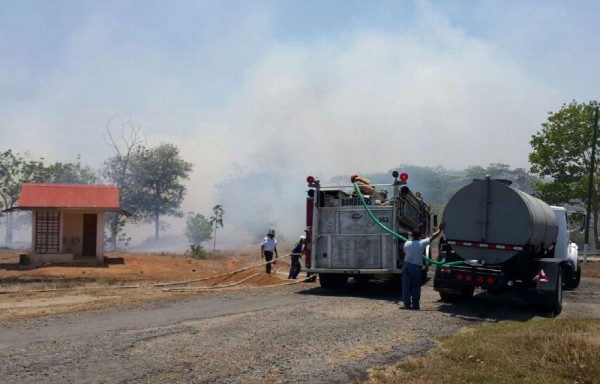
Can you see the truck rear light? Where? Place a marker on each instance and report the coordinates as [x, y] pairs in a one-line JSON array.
[[459, 276], [468, 278], [480, 279], [490, 280], [310, 179]]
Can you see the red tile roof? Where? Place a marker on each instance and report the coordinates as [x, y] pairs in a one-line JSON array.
[[69, 196]]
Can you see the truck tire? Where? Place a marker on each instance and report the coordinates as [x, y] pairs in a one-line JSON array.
[[326, 280], [555, 307], [340, 281], [448, 297], [467, 293], [573, 278], [397, 283]]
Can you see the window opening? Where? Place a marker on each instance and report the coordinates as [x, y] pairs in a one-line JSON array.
[[47, 225]]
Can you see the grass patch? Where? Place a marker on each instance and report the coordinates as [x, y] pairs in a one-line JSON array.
[[538, 351], [590, 270]]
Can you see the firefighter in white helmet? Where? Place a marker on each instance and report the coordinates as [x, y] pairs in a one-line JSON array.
[[296, 255], [267, 247]]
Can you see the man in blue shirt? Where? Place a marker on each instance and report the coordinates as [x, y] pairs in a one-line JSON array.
[[413, 264]]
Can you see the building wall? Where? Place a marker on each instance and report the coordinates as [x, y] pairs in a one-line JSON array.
[[72, 233]]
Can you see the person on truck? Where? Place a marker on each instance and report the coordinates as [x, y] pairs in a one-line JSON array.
[[297, 251], [413, 264], [267, 247]]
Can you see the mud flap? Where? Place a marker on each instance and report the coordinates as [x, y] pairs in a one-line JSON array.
[[547, 283]]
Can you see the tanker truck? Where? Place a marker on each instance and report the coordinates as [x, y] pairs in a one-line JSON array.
[[508, 241]]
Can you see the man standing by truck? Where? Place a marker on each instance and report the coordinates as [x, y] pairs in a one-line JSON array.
[[413, 264], [297, 251]]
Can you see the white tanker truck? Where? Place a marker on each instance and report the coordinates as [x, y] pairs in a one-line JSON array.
[[508, 241]]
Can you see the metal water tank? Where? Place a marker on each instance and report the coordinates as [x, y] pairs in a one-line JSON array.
[[490, 212]]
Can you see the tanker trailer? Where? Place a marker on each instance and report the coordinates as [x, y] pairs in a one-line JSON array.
[[508, 241]]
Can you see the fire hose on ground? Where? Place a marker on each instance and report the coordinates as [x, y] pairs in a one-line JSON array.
[[182, 289]]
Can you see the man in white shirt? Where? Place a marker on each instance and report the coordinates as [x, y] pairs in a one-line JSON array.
[[267, 247]]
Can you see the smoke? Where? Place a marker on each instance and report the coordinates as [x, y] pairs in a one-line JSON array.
[[257, 105]]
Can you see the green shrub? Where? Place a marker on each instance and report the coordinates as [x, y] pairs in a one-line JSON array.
[[197, 251]]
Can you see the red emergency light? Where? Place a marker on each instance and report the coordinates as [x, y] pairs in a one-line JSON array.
[[310, 179], [403, 176]]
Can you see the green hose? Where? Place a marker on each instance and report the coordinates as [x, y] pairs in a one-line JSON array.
[[431, 261]]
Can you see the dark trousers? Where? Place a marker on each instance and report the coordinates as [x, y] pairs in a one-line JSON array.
[[295, 267], [268, 258], [411, 285]]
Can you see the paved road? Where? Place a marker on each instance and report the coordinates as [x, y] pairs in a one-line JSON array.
[[293, 334]]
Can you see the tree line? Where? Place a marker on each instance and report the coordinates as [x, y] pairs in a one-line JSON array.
[[151, 179]]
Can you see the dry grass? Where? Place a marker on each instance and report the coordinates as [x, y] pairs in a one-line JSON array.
[[590, 270], [538, 351]]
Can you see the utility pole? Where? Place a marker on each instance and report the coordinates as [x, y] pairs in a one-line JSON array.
[[590, 189]]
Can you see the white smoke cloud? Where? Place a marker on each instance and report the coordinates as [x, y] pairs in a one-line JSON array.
[[428, 93]]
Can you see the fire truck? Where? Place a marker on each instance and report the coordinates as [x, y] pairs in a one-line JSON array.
[[349, 233]]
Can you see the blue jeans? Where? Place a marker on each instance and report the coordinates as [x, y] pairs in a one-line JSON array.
[[411, 285]]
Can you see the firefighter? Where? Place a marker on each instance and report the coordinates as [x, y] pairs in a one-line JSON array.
[[413, 265], [297, 251], [267, 247]]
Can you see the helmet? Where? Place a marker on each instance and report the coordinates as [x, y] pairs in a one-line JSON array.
[[302, 238], [271, 232]]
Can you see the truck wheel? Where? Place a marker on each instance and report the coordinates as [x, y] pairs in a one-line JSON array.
[[340, 281], [448, 297], [397, 283], [467, 293], [556, 306], [572, 279], [326, 280]]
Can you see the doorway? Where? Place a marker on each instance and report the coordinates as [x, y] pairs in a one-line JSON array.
[[90, 230]]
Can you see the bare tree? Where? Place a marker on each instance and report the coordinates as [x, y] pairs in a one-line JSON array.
[[117, 169]]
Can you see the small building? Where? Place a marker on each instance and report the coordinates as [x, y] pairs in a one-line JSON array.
[[67, 220]]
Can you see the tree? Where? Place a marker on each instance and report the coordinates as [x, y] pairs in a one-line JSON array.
[[68, 173], [216, 220], [198, 228], [15, 170], [519, 177], [157, 183], [117, 170], [562, 151]]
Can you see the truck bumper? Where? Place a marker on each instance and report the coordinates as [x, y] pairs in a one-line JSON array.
[[355, 271], [455, 279]]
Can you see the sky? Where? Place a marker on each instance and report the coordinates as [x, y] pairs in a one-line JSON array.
[[292, 88]]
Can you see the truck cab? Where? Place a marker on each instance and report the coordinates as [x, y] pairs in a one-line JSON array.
[[566, 250]]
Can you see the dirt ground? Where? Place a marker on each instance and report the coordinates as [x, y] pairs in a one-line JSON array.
[[125, 279]]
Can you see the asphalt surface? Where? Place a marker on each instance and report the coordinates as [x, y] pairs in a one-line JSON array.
[[293, 334]]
